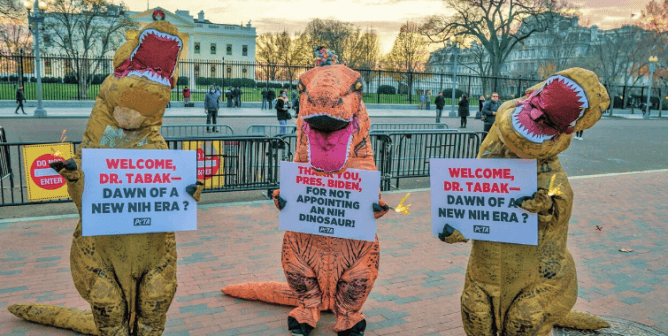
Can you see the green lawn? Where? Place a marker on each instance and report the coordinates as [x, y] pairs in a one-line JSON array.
[[58, 91]]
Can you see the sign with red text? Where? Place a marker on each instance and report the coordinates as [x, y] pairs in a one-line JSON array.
[[335, 205], [477, 197], [129, 191], [209, 161], [43, 182]]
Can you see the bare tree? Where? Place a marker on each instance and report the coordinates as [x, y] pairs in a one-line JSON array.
[[366, 56], [498, 25], [332, 34], [655, 20], [85, 31], [294, 53], [11, 9], [266, 52], [14, 36], [409, 54]]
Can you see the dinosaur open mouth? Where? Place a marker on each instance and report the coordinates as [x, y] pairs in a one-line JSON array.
[[551, 111], [329, 140], [154, 57]]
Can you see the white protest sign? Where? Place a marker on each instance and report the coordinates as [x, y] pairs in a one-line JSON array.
[[336, 205], [130, 191], [477, 198]]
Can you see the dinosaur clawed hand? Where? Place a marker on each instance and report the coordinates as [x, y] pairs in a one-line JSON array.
[[540, 202], [279, 201], [195, 190], [380, 209], [67, 169], [451, 235]]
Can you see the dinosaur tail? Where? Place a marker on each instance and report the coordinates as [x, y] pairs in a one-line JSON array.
[[79, 320], [582, 321], [271, 292]]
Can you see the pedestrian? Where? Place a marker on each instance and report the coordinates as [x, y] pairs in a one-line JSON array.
[[229, 94], [428, 100], [20, 98], [293, 99], [440, 102], [489, 111], [237, 97], [186, 96], [578, 135], [295, 106], [271, 95], [422, 98], [264, 98], [463, 109], [211, 108], [282, 113], [481, 101]]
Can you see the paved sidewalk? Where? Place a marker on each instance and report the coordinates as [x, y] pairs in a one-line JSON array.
[[420, 280]]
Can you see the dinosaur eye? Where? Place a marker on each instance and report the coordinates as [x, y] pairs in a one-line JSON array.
[[301, 87], [357, 87]]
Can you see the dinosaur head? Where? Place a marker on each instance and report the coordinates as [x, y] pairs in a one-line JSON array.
[[541, 125], [144, 72], [331, 116]]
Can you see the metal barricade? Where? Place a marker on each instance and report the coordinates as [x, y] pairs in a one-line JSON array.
[[5, 163], [420, 126], [411, 151], [270, 129], [181, 131], [234, 163]]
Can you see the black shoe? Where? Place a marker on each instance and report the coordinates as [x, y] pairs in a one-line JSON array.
[[216, 131], [207, 130], [297, 328], [356, 330], [25, 113], [17, 112]]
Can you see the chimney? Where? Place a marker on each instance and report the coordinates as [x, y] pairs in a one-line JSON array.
[[200, 16], [249, 24]]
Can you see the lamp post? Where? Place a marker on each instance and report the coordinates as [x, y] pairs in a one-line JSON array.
[[652, 68], [453, 40], [35, 19]]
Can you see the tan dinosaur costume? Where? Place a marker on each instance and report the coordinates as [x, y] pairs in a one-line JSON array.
[[513, 289], [326, 273], [129, 280]]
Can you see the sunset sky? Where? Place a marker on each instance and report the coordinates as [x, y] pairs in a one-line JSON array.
[[386, 16]]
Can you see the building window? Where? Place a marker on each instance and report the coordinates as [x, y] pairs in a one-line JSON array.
[[245, 72], [213, 48], [229, 49], [47, 67], [196, 70], [213, 71], [196, 47], [229, 72], [244, 51]]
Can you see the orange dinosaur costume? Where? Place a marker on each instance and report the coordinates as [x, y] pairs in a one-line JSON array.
[[326, 273]]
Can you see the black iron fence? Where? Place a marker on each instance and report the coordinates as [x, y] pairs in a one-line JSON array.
[[66, 78], [252, 162]]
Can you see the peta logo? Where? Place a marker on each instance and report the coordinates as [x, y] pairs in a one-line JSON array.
[[142, 221], [327, 230], [481, 229]]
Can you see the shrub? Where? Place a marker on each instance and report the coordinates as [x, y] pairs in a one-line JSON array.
[[447, 93], [183, 81], [386, 89]]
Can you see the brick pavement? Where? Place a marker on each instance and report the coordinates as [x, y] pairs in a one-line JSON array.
[[420, 280]]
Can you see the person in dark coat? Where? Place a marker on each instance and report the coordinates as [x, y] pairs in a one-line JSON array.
[[229, 94], [271, 95], [211, 107], [20, 98], [463, 110], [489, 110], [282, 113], [237, 97], [481, 101], [265, 97], [440, 102]]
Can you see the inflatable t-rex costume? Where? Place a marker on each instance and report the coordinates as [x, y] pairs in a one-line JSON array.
[[326, 273], [521, 289], [129, 280]]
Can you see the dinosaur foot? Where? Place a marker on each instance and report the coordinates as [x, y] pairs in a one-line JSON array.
[[356, 330], [298, 329]]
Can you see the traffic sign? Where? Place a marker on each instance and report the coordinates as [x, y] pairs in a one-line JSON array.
[[43, 182]]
